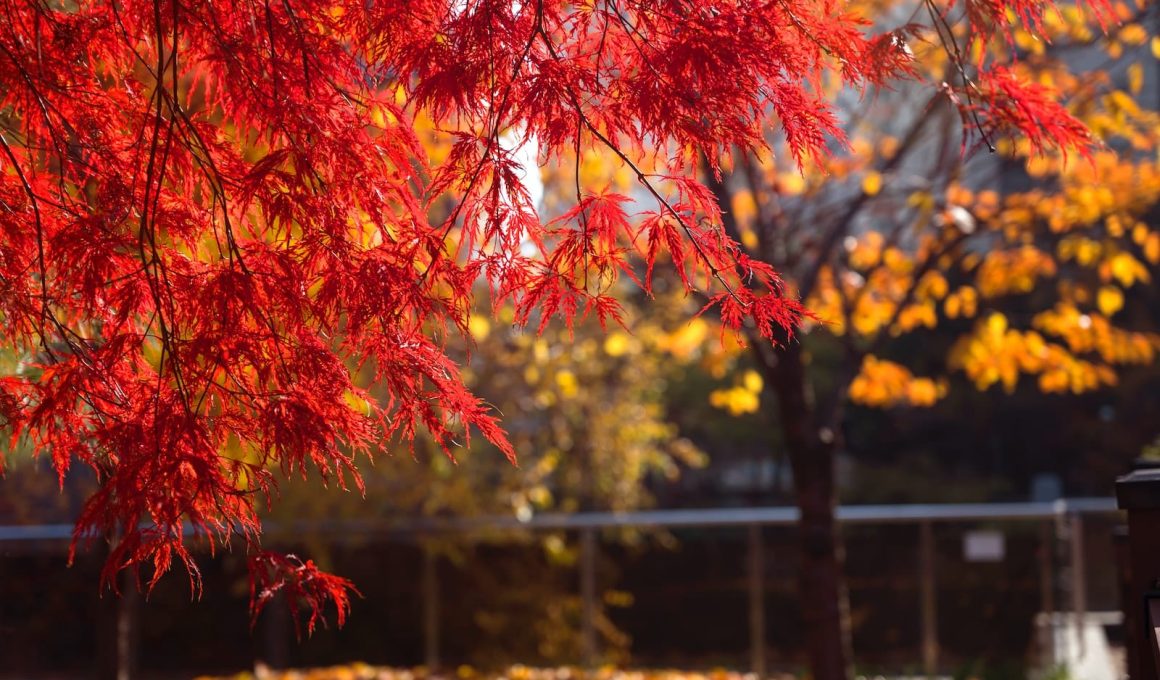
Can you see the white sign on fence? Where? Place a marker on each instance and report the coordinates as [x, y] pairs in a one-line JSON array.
[[984, 546]]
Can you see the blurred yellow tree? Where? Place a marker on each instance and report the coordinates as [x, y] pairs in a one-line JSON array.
[[586, 410]]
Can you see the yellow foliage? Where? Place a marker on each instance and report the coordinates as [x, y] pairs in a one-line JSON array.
[[687, 340], [866, 251], [479, 326], [567, 383], [883, 384], [887, 146], [737, 400], [382, 117], [744, 208], [826, 303], [1115, 226], [1134, 34], [1029, 42], [356, 403], [1152, 248], [995, 353], [1110, 300], [619, 343], [1094, 334], [897, 261], [1004, 272], [1125, 269], [1135, 78], [933, 285], [872, 183], [791, 183], [362, 671], [963, 302], [921, 314], [743, 397], [1084, 251]]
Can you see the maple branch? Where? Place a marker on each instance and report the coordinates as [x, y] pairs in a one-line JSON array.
[[493, 135], [156, 273], [579, 198], [724, 200], [44, 306], [842, 225], [642, 178], [951, 46]]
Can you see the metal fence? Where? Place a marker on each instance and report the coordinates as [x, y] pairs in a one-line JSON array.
[[1064, 515]]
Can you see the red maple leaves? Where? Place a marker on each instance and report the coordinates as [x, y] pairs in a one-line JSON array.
[[216, 214]]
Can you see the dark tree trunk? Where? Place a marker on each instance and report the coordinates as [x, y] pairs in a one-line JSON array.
[[811, 442], [119, 635], [811, 437]]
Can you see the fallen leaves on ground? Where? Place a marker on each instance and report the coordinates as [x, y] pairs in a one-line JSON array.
[[361, 671]]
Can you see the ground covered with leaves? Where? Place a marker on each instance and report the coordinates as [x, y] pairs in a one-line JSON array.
[[362, 671]]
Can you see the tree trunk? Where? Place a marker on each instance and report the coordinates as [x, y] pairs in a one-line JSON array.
[[118, 637], [811, 445]]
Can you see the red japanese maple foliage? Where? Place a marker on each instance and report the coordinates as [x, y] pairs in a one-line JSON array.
[[214, 212]]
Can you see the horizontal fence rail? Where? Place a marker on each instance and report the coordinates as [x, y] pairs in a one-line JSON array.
[[704, 517]]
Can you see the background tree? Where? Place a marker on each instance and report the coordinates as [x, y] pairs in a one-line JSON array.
[[1030, 257]]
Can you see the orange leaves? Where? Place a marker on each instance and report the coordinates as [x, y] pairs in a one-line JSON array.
[[362, 671], [1125, 269], [885, 384], [1094, 334], [963, 302], [1005, 272], [995, 353], [1109, 300]]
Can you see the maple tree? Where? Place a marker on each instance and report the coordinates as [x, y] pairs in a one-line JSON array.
[[212, 211]]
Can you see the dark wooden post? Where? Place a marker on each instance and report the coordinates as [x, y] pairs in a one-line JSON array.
[[277, 628], [1078, 580], [928, 604], [1127, 605], [588, 605], [430, 608], [1047, 592], [756, 602], [1139, 494]]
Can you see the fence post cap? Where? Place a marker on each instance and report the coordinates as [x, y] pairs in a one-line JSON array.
[[1139, 490]]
